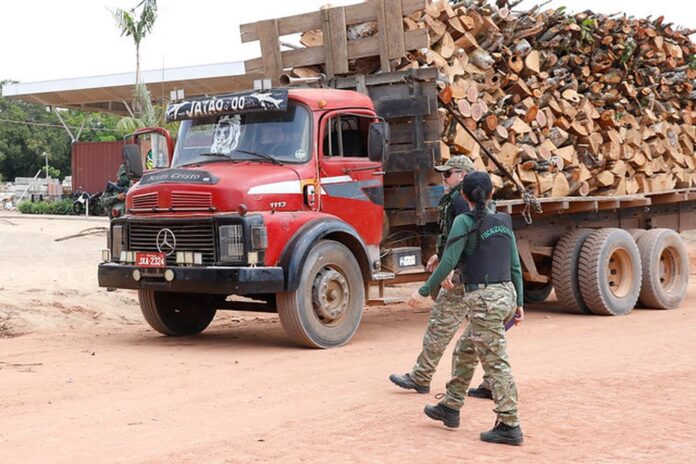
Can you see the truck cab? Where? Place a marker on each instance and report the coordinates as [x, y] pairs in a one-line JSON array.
[[276, 195]]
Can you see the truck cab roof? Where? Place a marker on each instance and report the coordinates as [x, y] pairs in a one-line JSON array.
[[328, 99]]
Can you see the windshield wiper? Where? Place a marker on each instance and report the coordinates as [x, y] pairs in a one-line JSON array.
[[260, 155], [221, 155]]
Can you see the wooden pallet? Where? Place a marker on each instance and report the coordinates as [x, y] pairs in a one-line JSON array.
[[391, 43]]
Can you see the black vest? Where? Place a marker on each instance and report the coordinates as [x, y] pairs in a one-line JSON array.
[[489, 263]]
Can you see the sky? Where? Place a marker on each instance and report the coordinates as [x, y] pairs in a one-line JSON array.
[[44, 40]]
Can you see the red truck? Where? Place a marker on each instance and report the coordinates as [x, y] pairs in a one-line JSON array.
[[301, 199]]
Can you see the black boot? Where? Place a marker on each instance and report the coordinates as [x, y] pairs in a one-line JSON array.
[[449, 417], [505, 434], [480, 392], [405, 381]]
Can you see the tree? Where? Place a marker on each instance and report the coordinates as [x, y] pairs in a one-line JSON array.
[[138, 25], [27, 131]]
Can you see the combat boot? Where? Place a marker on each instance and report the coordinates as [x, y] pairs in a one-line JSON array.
[[448, 416], [480, 392], [405, 381], [505, 434]]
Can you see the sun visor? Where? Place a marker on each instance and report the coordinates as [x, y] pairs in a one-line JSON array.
[[236, 103]]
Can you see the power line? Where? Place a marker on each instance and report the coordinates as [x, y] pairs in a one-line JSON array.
[[45, 124]]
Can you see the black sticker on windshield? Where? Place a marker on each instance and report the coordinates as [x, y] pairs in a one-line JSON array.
[[245, 102], [179, 176]]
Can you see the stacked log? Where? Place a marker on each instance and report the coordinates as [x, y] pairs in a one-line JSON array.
[[584, 104]]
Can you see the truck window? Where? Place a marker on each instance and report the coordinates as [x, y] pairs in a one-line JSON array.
[[284, 136], [346, 135]]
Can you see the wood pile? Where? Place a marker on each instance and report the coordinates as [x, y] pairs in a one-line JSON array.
[[587, 104]]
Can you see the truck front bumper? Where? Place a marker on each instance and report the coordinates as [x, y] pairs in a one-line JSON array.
[[210, 279]]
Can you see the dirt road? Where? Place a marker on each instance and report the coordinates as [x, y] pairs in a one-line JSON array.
[[82, 379]]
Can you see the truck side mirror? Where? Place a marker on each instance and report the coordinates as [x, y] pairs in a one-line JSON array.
[[134, 164], [378, 142]]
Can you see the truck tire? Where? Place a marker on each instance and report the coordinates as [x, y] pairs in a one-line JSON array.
[[665, 262], [177, 314], [536, 293], [326, 308], [636, 233], [609, 272], [564, 270]]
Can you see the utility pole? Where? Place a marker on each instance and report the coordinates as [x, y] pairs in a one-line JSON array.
[[46, 156]]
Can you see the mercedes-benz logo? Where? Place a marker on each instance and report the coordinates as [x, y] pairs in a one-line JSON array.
[[166, 241]]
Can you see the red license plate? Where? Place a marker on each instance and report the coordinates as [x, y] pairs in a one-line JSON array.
[[147, 259]]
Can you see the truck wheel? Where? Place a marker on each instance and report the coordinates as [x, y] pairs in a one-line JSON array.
[[536, 293], [177, 314], [665, 262], [636, 233], [609, 272], [564, 270], [327, 306]]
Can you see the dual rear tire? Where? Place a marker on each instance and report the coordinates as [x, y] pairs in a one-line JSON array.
[[607, 271]]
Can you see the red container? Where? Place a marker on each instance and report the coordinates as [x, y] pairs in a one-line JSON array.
[[94, 163]]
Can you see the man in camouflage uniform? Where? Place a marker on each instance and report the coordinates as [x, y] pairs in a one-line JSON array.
[[448, 312], [116, 198]]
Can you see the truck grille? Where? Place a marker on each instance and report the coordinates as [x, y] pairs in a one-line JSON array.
[[146, 200], [190, 236], [194, 200]]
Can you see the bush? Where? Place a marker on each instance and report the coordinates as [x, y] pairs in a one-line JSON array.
[[47, 207]]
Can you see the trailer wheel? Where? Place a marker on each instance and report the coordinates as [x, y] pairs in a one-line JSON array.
[[665, 262], [609, 272], [536, 293], [636, 233], [326, 308], [564, 270], [177, 314]]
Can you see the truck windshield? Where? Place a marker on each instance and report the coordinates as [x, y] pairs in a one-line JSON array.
[[263, 137]]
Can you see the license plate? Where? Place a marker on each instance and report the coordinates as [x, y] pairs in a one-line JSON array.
[[148, 259]]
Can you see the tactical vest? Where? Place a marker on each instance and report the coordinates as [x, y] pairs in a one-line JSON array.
[[490, 262], [445, 218]]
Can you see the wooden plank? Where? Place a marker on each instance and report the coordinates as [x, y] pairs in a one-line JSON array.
[[538, 278], [542, 251], [635, 203], [406, 218], [356, 49], [525, 251], [335, 41], [384, 62], [270, 48], [664, 198], [354, 14], [395, 28]]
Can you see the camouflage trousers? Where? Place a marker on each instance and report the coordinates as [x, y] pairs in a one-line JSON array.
[[484, 340], [445, 318]]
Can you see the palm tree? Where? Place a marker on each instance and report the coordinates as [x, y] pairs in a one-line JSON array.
[[138, 25]]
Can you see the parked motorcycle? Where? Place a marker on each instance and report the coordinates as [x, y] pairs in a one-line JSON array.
[[81, 199]]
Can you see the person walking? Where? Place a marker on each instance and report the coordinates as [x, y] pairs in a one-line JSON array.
[[448, 312], [493, 296]]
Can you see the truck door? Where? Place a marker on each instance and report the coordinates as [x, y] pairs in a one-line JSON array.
[[352, 186]]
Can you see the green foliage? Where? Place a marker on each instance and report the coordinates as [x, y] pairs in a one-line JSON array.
[[692, 62], [630, 47], [63, 207], [137, 25], [53, 173], [586, 27]]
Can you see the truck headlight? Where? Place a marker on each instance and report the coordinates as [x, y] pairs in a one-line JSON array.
[[231, 243], [117, 241], [259, 237]]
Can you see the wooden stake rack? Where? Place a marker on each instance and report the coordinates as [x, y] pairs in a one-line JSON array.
[[390, 43]]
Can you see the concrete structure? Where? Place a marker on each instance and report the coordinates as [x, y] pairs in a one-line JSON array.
[[113, 93]]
